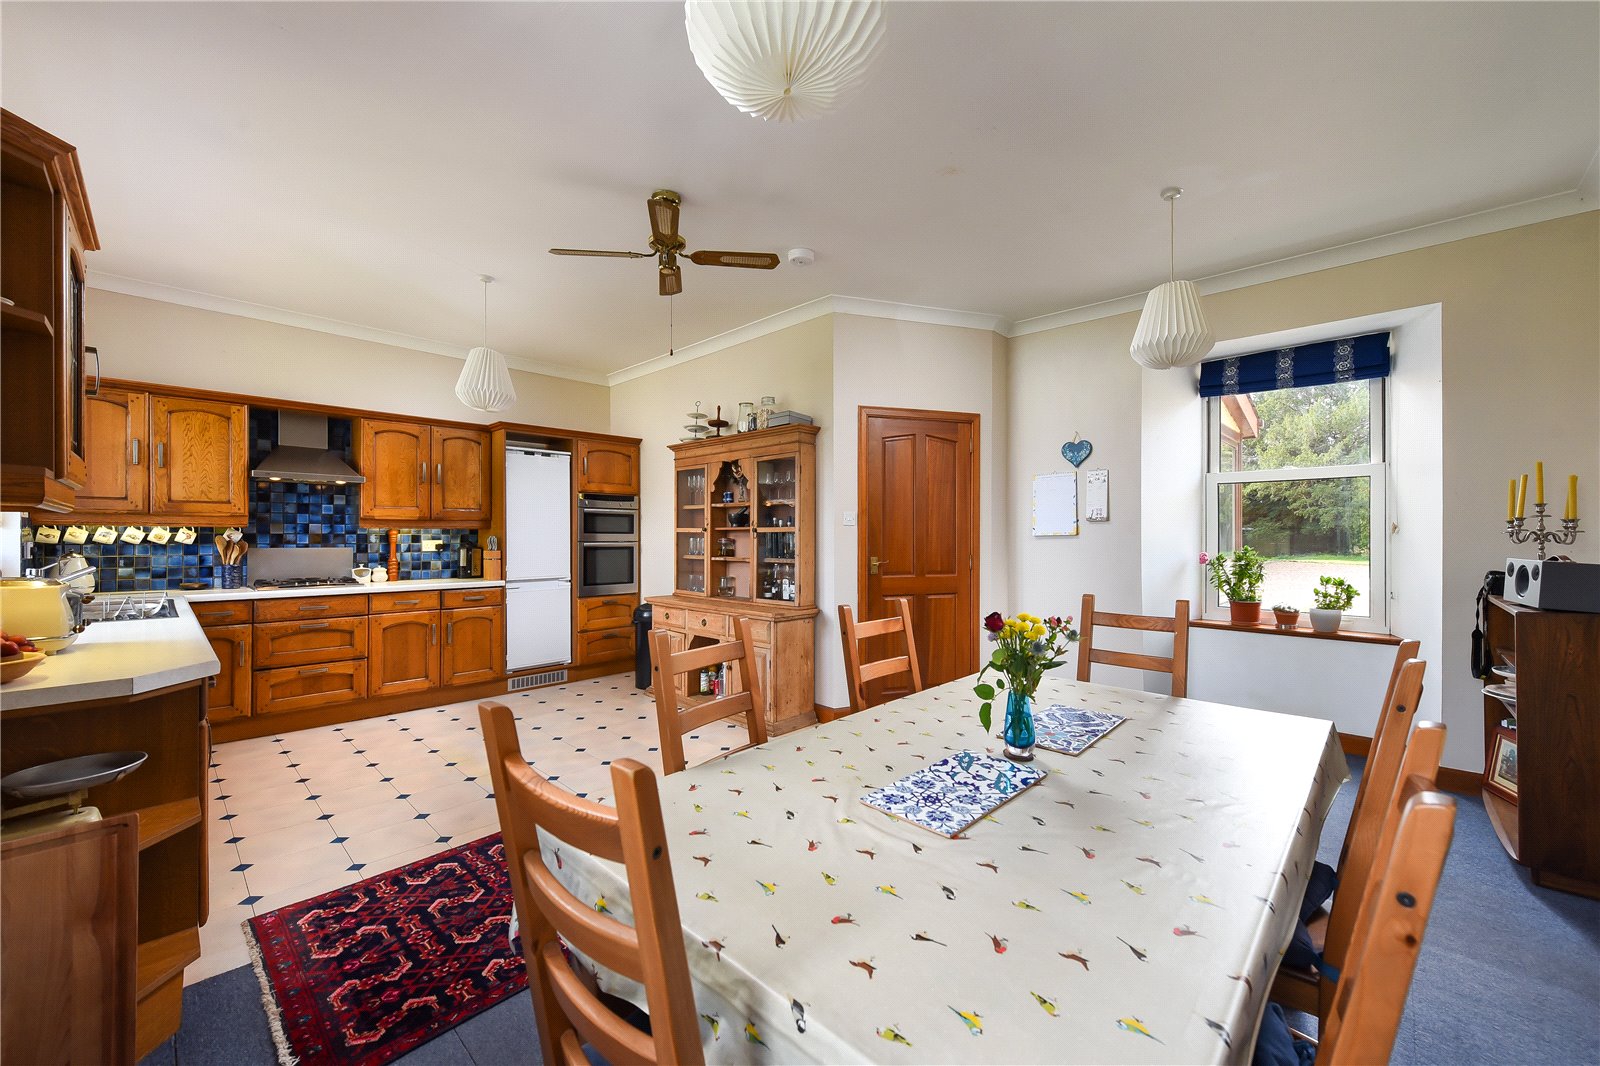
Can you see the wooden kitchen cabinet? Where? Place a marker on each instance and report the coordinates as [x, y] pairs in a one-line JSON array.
[[602, 647], [302, 643], [403, 653], [605, 629], [117, 440], [605, 612], [200, 459], [606, 466], [47, 231], [420, 473], [299, 688], [474, 644], [228, 695]]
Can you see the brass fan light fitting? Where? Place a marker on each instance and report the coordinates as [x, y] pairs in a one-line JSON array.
[[666, 245]]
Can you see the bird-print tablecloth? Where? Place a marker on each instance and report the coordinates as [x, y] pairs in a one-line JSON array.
[[1131, 907]]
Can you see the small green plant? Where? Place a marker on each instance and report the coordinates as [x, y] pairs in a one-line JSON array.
[[1333, 594], [1237, 578], [1286, 608]]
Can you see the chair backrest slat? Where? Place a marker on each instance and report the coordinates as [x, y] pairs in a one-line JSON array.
[[1178, 625], [564, 1004], [1405, 653], [856, 672], [667, 665]]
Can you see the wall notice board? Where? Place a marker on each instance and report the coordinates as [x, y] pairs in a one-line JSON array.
[[1055, 505]]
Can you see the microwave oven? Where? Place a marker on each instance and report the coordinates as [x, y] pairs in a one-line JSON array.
[[603, 517]]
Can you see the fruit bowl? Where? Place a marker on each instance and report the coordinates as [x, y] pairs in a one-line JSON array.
[[17, 665]]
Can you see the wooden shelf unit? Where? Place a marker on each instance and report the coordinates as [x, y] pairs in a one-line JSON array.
[[1554, 826]]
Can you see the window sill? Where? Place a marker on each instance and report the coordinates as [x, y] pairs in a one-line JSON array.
[[1303, 630]]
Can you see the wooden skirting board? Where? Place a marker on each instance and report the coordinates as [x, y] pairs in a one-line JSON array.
[[1466, 782]]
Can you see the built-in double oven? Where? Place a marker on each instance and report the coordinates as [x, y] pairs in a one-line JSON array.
[[608, 544]]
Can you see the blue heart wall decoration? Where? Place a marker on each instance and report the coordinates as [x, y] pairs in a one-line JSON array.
[[1076, 451]]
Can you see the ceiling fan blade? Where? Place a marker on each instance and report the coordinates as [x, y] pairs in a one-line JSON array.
[[671, 280], [595, 252], [663, 205], [749, 260]]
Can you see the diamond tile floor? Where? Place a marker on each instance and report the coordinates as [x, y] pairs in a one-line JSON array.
[[297, 814]]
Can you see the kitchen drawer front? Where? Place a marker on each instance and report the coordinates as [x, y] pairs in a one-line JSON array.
[[221, 612], [490, 597], [299, 688], [760, 630], [322, 640], [606, 612], [392, 602], [668, 617], [309, 607], [603, 646], [705, 624]]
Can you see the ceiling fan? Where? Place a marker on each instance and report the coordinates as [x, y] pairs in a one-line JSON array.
[[666, 245]]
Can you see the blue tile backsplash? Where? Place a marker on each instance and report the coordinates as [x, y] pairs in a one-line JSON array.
[[282, 515]]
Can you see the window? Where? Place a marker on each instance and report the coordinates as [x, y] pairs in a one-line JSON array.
[[1296, 470]]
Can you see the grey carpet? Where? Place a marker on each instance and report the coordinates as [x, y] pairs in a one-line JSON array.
[[1509, 973]]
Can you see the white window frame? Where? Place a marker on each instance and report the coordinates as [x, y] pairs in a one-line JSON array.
[[1377, 474]]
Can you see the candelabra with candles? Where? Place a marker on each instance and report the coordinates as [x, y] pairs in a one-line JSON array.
[[1539, 534]]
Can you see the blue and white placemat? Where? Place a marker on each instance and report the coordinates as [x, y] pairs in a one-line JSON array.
[[949, 795], [1069, 730]]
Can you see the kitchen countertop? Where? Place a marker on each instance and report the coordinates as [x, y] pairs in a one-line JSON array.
[[114, 659], [340, 590]]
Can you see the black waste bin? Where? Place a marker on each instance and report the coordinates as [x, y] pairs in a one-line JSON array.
[[642, 615]]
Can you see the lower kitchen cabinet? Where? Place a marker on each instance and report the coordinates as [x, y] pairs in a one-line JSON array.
[[300, 688], [229, 693], [403, 653], [322, 640], [603, 646], [474, 644]]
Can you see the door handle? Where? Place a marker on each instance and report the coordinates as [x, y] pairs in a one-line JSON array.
[[241, 653], [96, 352], [406, 603], [135, 451], [315, 625], [312, 607], [438, 473], [872, 565], [474, 598], [422, 472], [161, 456], [433, 633], [314, 671], [450, 633]]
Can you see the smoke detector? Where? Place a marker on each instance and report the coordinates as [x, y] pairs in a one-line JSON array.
[[801, 256]]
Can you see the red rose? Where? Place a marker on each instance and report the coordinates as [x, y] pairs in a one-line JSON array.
[[993, 622]]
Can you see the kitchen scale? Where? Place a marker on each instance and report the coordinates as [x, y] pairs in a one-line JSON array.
[[51, 795]]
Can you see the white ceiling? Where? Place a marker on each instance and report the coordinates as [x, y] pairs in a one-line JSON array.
[[363, 162]]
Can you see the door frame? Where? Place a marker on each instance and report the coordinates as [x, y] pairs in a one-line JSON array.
[[973, 419]]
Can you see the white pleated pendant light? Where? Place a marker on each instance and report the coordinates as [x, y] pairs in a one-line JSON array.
[[784, 59], [1172, 328], [485, 382]]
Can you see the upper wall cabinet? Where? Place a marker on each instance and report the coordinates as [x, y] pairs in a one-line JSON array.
[[605, 466], [154, 458], [419, 473], [47, 229]]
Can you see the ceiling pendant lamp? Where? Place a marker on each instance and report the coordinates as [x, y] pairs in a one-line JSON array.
[[1172, 328], [485, 382], [783, 59]]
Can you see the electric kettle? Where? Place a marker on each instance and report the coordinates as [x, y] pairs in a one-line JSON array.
[[46, 611]]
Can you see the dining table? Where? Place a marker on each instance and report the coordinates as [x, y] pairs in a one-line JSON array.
[[1132, 906]]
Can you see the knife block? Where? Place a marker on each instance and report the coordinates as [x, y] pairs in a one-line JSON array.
[[493, 566]]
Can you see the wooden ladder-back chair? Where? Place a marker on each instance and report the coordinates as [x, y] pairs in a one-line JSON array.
[[1403, 754], [1363, 1010], [665, 667], [1177, 625], [1405, 653], [858, 673], [569, 1011]]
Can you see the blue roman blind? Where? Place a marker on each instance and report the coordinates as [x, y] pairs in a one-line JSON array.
[[1349, 359]]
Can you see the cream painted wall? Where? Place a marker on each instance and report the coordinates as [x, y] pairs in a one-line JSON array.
[[886, 363], [148, 340], [1515, 305], [795, 365]]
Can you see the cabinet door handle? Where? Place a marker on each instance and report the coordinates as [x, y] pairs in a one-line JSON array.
[[241, 653], [312, 607], [406, 603], [313, 671], [438, 473], [422, 472], [136, 451], [96, 352], [473, 598], [315, 625], [433, 633], [610, 603], [450, 633], [161, 456], [586, 465]]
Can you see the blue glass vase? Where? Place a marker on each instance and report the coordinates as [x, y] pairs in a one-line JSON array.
[[1018, 731]]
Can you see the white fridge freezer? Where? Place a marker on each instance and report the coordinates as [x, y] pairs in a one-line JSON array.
[[538, 558]]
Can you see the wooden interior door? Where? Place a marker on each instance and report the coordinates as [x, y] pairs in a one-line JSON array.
[[117, 446], [201, 458], [918, 538], [460, 475], [394, 458]]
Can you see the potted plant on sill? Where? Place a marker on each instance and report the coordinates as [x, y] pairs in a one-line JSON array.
[[1287, 615], [1332, 597], [1237, 578]]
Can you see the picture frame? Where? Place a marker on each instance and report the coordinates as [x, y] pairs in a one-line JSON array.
[[1500, 772]]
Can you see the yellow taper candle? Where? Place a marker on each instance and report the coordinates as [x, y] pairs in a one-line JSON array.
[[1522, 496], [1511, 499], [1572, 497], [1538, 483]]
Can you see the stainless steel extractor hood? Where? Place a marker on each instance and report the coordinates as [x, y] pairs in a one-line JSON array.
[[303, 454]]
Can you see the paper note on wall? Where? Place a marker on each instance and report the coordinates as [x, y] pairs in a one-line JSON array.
[[1097, 495], [1055, 505]]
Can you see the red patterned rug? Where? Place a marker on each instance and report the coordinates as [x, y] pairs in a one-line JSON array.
[[361, 975]]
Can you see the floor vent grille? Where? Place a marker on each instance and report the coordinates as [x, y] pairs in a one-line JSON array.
[[549, 677]]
